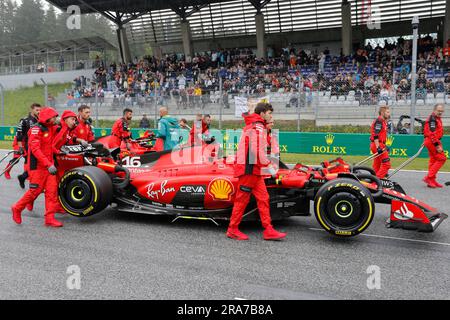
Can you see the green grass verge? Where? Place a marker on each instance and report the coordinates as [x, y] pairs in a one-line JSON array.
[[418, 164], [18, 102]]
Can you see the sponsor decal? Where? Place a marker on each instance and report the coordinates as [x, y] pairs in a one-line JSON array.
[[136, 170], [221, 189], [329, 147], [69, 159], [289, 204], [193, 189], [155, 194], [405, 211], [157, 204]]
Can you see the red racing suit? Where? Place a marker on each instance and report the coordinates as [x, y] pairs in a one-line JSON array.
[[65, 135], [433, 132], [40, 158], [251, 159], [84, 131], [378, 131], [120, 132]]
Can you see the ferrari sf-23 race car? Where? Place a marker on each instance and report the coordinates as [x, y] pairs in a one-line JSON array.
[[198, 183]]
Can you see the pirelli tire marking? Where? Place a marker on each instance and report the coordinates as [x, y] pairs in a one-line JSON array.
[[344, 207]]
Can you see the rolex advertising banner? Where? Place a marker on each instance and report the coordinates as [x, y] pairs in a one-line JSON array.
[[327, 144]]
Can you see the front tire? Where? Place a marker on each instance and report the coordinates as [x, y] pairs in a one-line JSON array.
[[85, 191], [344, 207]]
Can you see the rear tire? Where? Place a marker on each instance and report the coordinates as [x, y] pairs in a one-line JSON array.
[[344, 207], [85, 191]]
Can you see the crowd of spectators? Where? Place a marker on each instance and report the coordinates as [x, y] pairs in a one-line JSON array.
[[371, 74]]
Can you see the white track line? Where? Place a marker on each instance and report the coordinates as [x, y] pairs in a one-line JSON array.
[[392, 238]]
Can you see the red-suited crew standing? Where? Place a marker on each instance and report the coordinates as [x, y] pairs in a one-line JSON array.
[[42, 169], [433, 132], [22, 137], [251, 160], [121, 130], [378, 136], [83, 130]]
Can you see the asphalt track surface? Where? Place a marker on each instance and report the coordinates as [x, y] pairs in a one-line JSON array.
[[130, 256]]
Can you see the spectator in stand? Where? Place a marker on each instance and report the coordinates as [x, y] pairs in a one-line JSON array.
[[145, 123]]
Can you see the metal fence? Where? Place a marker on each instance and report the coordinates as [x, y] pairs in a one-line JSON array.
[[346, 94], [50, 67]]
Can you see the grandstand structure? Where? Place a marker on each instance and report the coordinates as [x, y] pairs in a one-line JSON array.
[[327, 87], [201, 25], [52, 56]]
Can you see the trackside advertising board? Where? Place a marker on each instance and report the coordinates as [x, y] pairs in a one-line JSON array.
[[333, 144]]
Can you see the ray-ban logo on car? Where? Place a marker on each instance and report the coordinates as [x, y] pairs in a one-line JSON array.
[[193, 189], [161, 192]]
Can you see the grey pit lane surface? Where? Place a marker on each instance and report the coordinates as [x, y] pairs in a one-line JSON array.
[[130, 256]]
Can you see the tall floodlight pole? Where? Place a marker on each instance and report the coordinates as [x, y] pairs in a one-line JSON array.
[[415, 26], [45, 92]]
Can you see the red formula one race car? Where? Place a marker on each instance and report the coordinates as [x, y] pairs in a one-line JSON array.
[[196, 182], [140, 146]]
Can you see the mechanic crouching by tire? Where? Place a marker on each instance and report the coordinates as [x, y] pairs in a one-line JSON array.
[[378, 136], [433, 132], [42, 170], [251, 159]]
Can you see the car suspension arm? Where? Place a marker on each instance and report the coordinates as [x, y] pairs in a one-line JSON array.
[[404, 164]]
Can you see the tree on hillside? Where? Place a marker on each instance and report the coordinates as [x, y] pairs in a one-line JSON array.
[[28, 22], [7, 12], [50, 28]]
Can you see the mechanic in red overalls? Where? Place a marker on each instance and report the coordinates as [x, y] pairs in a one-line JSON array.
[[200, 130], [433, 132], [65, 132], [42, 169], [378, 136], [83, 130], [251, 160], [121, 130]]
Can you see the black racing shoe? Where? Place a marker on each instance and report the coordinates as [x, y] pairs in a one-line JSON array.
[[22, 180]]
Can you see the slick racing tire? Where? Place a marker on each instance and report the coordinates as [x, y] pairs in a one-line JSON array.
[[344, 207], [85, 191], [363, 169]]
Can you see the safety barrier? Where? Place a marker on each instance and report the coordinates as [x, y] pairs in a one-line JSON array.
[[333, 144]]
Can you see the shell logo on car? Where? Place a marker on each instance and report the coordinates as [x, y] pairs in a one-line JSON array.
[[221, 189]]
